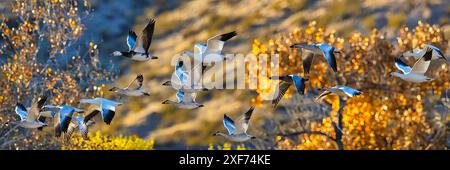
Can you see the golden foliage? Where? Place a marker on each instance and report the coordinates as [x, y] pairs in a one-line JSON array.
[[386, 116], [100, 141], [228, 146], [44, 29]]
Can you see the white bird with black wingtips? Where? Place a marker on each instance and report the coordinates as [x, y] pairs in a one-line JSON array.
[[313, 49], [338, 89], [44, 114], [237, 132], [137, 90], [418, 53], [81, 123], [185, 101], [138, 47], [64, 117], [415, 74], [30, 118], [286, 82], [212, 50], [106, 107]]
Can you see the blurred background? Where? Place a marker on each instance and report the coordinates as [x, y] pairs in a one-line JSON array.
[[73, 51]]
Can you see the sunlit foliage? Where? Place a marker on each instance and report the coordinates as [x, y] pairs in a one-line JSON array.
[[391, 113], [98, 141], [35, 61], [228, 146]]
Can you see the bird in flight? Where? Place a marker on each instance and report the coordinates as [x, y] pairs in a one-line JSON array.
[[137, 90], [237, 132], [338, 89], [415, 74], [138, 47]]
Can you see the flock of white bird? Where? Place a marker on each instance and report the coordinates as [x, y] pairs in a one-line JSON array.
[[68, 119]]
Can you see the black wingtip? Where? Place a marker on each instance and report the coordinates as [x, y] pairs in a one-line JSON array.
[[227, 36], [293, 45], [428, 54], [400, 61], [151, 21]]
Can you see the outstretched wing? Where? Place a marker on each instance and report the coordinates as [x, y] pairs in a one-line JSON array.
[[70, 130], [299, 83], [402, 66], [131, 40], [282, 88], [328, 53], [421, 65], [349, 91], [21, 111], [244, 121], [307, 59], [437, 50], [139, 80], [91, 115], [36, 107], [147, 35], [229, 124], [215, 44], [322, 95]]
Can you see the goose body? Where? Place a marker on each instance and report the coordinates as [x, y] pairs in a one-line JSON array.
[[132, 91], [30, 118], [415, 74], [184, 101], [340, 90], [237, 132]]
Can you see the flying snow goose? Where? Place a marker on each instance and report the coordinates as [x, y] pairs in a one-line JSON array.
[[418, 53], [415, 74], [285, 83], [106, 107], [29, 118], [44, 114], [64, 117], [183, 76], [338, 89], [82, 123], [326, 50], [237, 132], [212, 50], [138, 46], [185, 101], [132, 91]]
